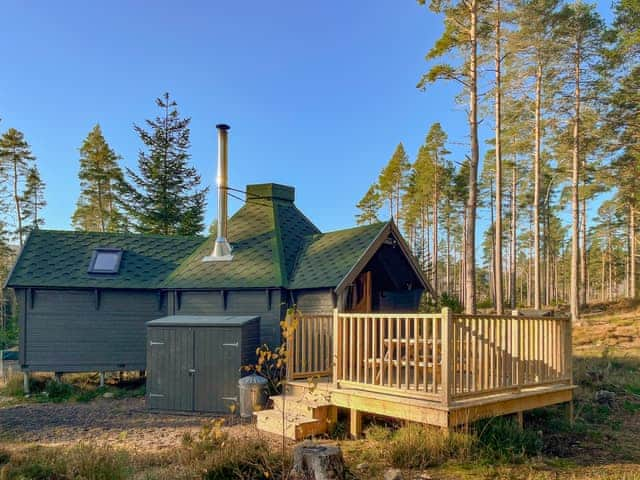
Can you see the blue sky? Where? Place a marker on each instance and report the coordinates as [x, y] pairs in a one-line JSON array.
[[318, 94]]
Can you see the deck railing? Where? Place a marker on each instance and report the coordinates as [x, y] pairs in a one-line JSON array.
[[310, 347], [444, 357]]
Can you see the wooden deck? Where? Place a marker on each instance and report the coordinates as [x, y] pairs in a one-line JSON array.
[[438, 369]]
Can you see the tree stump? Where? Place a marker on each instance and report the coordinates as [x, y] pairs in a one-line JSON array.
[[317, 462]]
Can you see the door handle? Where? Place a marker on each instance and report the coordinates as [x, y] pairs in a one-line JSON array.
[[192, 371], [230, 344]]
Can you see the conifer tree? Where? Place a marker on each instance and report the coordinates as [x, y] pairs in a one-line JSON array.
[[100, 178], [369, 206], [462, 34], [393, 180], [164, 196], [15, 160], [33, 201], [581, 38]]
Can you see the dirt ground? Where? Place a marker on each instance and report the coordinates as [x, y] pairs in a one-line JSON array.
[[125, 423]]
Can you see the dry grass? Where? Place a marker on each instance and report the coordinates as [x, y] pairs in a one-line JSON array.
[[604, 443]]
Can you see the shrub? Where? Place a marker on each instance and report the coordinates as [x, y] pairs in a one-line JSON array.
[[502, 440], [14, 385], [93, 462], [57, 391], [448, 300], [86, 462], [215, 455], [35, 463], [419, 446], [378, 433]]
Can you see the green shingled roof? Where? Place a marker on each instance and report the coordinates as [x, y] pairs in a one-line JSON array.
[[61, 259], [274, 245], [326, 258], [265, 235]]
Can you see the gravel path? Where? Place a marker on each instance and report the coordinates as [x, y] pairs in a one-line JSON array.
[[120, 422]]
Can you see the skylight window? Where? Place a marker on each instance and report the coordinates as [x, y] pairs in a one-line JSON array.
[[105, 260]]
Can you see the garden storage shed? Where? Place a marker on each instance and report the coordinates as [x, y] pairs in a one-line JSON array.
[[194, 362]]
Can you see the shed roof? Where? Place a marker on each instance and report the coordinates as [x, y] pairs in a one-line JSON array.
[[201, 321]]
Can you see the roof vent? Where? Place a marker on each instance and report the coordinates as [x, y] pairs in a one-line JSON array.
[[222, 249]]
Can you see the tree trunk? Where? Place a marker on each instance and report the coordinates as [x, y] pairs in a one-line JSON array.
[[435, 230], [632, 261], [514, 235], [470, 237], [317, 462], [448, 266], [498, 127], [536, 189], [575, 201], [583, 249], [16, 197]]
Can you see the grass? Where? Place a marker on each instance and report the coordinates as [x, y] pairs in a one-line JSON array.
[[602, 444], [210, 455], [73, 387]]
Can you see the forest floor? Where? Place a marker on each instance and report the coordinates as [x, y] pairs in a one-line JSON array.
[[106, 433]]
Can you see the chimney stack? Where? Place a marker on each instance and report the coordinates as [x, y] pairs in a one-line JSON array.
[[222, 249]]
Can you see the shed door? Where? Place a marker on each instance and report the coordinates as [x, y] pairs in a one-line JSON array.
[[170, 378], [217, 364]]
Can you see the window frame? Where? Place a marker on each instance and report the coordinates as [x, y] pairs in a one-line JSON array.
[[94, 257]]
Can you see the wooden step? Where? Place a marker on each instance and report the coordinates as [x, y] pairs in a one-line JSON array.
[[297, 427], [311, 406]]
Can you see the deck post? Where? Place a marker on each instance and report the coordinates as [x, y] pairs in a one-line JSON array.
[[355, 423], [516, 349], [336, 345], [447, 356], [569, 412], [520, 419]]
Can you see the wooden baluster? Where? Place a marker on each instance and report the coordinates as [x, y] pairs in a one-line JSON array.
[[366, 350], [390, 352], [434, 355], [344, 337], [425, 355], [374, 345], [381, 351], [416, 342], [398, 350]]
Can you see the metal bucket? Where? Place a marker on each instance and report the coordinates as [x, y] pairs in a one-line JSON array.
[[253, 394]]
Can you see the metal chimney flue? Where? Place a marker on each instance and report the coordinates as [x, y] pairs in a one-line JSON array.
[[222, 249]]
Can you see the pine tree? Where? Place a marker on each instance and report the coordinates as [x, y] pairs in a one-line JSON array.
[[165, 195], [462, 34], [100, 178], [580, 35], [369, 207], [435, 145], [15, 159], [393, 180], [33, 201]]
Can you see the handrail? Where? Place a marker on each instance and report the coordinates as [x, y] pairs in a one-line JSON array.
[[446, 357]]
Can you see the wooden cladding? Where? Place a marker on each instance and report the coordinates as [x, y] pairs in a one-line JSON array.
[[444, 357], [310, 347]]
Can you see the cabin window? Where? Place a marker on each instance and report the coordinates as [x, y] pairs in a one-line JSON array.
[[105, 260]]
